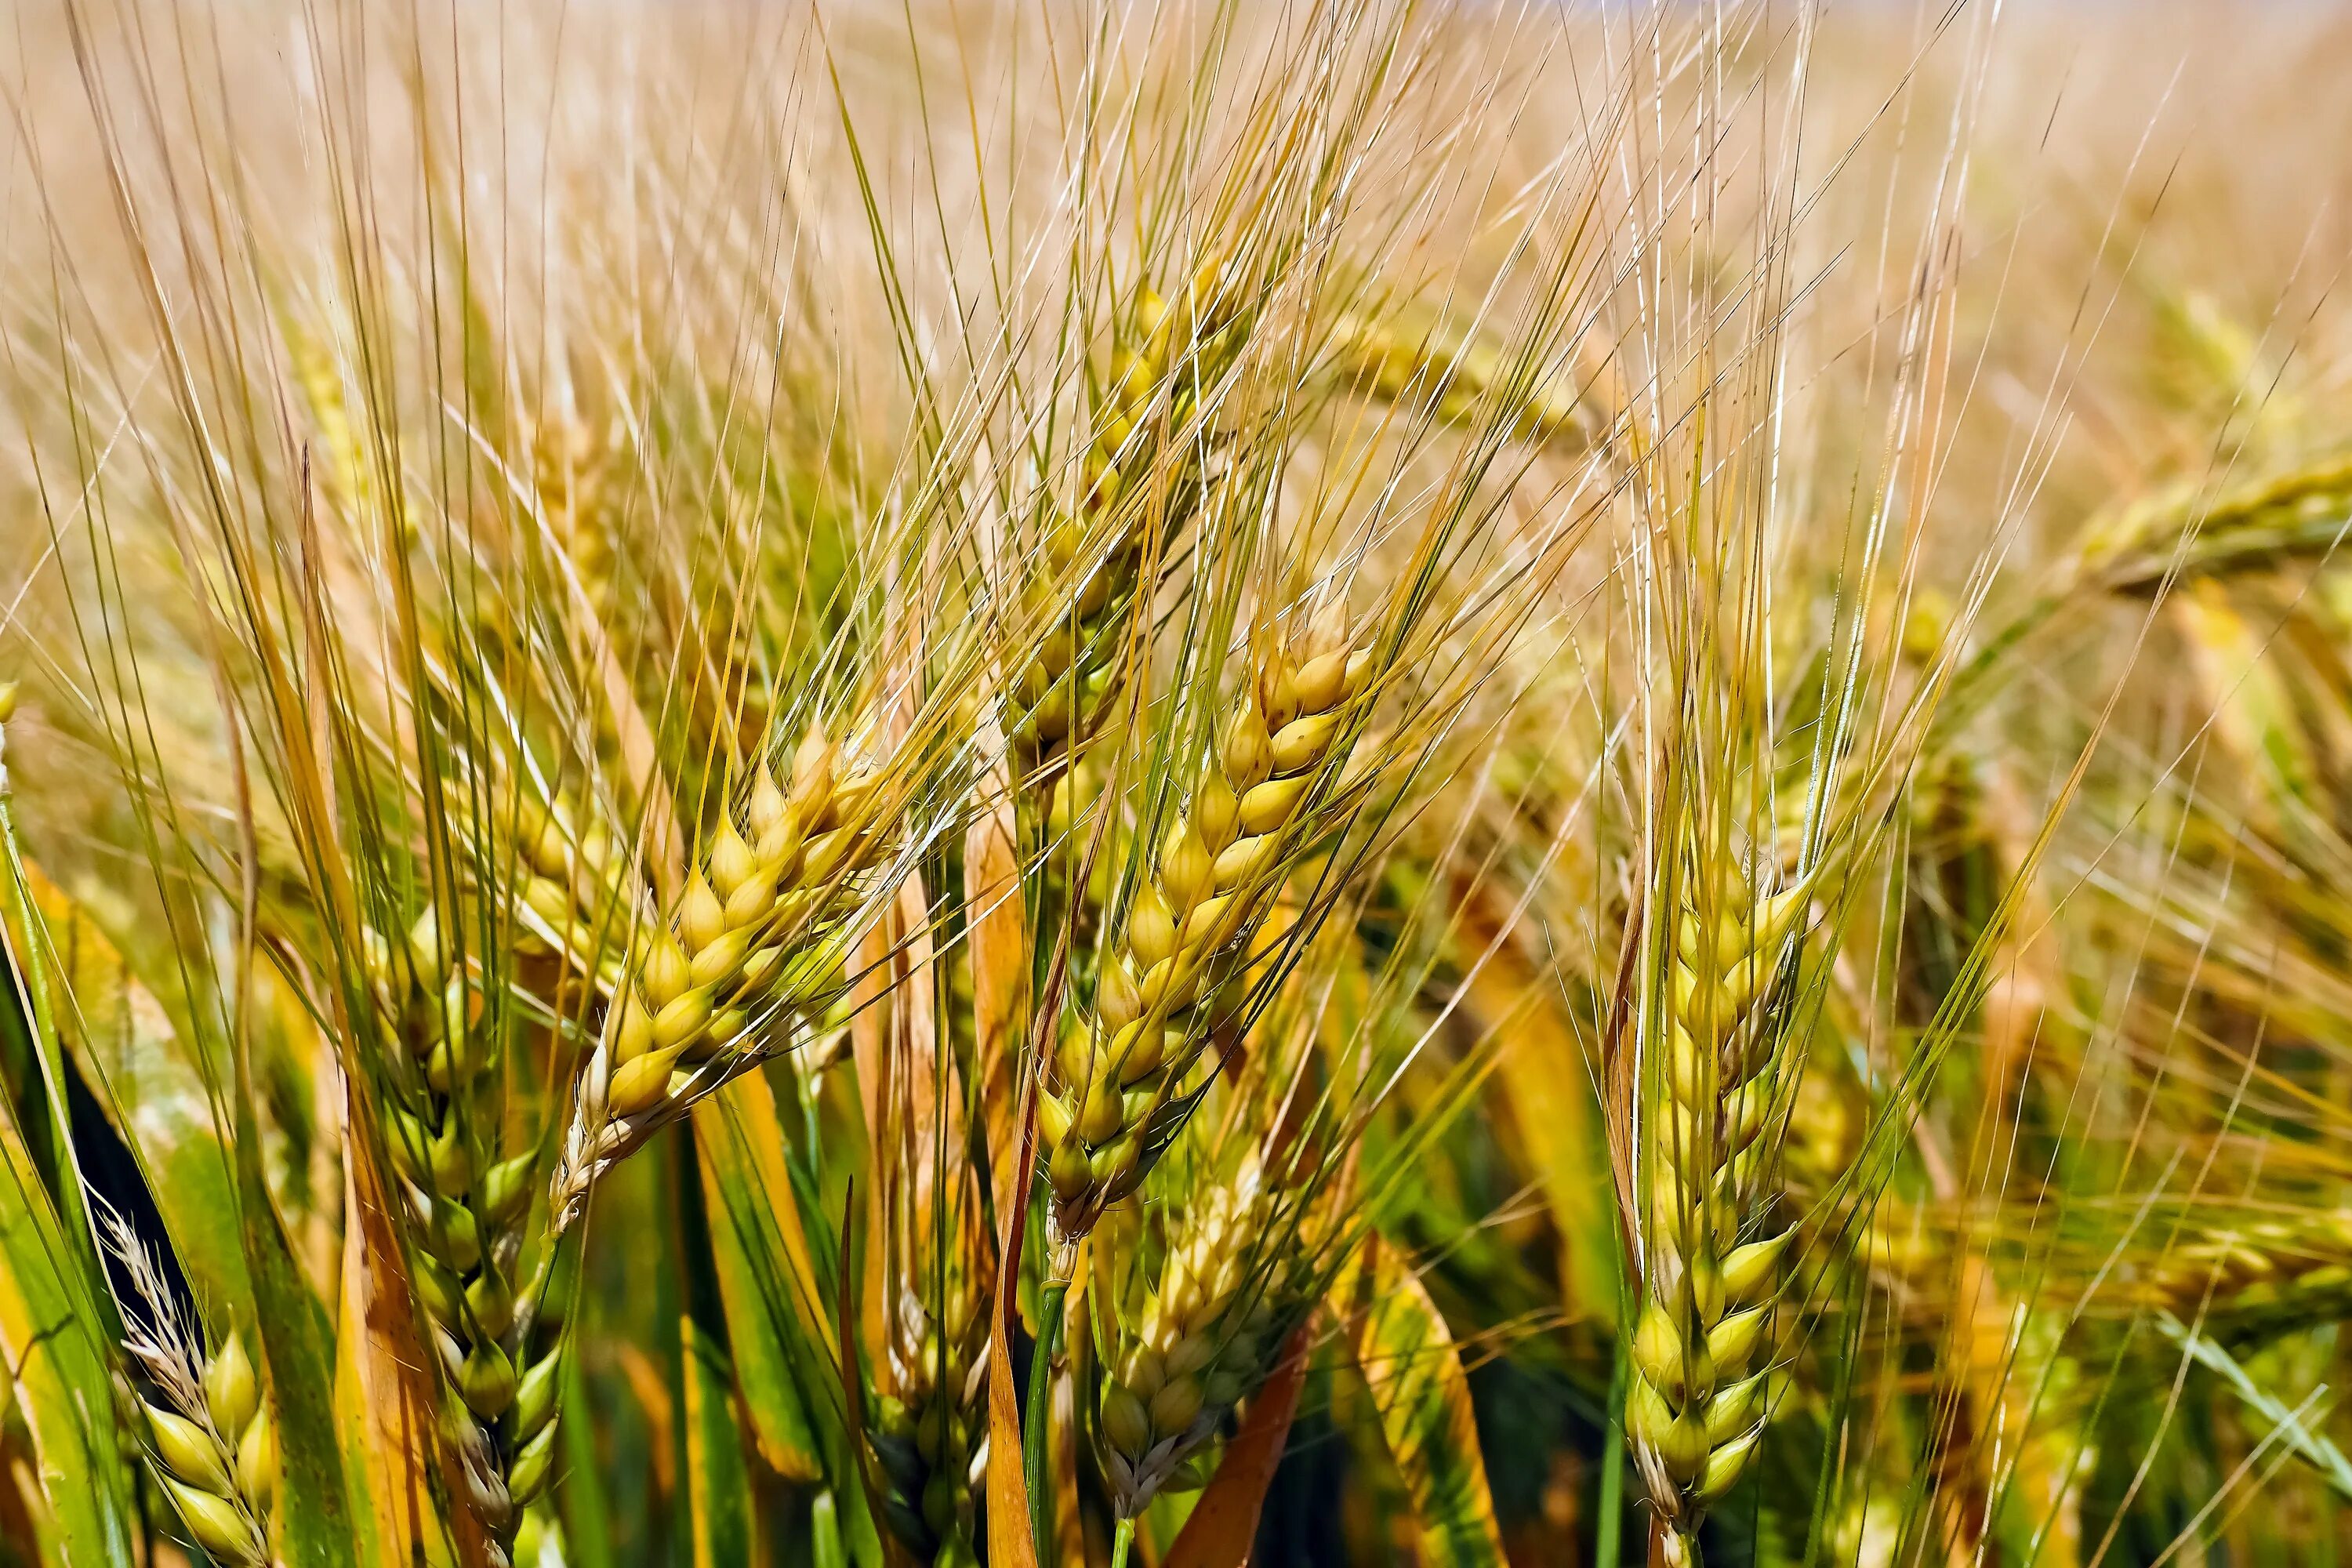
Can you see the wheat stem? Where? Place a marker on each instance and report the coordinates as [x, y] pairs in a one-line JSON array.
[[1037, 1420]]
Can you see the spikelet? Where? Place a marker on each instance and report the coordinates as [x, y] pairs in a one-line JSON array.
[[1695, 1405], [208, 1433], [1187, 928], [216, 1458]]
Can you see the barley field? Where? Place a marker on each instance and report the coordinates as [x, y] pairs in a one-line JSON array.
[[1175, 782]]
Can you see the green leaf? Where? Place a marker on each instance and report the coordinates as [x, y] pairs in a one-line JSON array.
[[315, 1522], [2295, 1428], [755, 1238], [152, 1091], [775, 1313], [49, 1331], [1409, 1363], [714, 1477], [61, 1375], [717, 1482]]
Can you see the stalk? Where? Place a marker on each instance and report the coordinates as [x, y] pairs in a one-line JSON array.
[[1035, 1422], [825, 1550], [1120, 1541], [1607, 1548]]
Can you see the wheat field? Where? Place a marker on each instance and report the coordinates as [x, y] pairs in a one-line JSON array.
[[1175, 783]]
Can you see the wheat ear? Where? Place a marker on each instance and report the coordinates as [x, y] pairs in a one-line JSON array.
[[1189, 923], [218, 1459], [1210, 1333], [755, 934], [1694, 1408], [572, 472]]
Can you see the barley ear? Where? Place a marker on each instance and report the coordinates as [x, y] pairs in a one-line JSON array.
[[1162, 360], [2252, 1282], [1211, 1328]]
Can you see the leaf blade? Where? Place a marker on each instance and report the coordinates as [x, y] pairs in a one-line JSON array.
[[1414, 1370]]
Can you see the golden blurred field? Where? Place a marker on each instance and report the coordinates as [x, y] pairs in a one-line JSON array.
[[1021, 783]]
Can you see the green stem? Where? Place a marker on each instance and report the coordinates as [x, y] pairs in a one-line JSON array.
[[1040, 1414], [824, 1535], [1608, 1550], [1121, 1542]]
